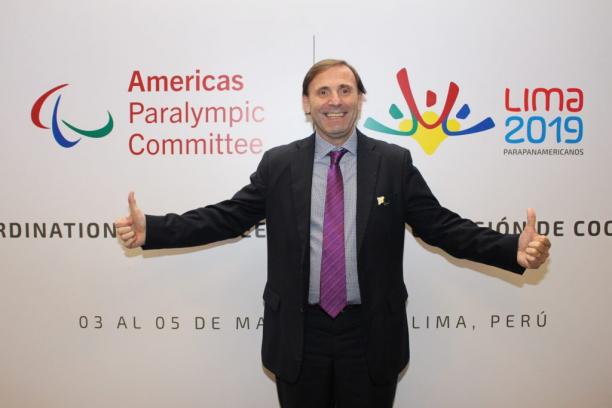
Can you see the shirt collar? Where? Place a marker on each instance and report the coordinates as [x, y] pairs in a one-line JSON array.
[[323, 147]]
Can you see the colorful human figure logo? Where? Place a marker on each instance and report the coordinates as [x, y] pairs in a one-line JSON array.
[[429, 129]]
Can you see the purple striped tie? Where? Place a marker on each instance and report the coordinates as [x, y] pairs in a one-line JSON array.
[[333, 267]]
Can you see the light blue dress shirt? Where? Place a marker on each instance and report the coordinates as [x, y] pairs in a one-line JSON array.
[[348, 167]]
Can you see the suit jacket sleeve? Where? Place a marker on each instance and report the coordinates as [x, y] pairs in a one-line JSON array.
[[212, 223], [445, 229]]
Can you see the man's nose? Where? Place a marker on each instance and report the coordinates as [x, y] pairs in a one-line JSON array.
[[334, 99]]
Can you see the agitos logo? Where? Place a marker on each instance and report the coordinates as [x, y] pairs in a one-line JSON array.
[[55, 129], [429, 129]]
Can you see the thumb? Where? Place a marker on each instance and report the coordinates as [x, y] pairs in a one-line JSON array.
[[531, 218], [132, 203]]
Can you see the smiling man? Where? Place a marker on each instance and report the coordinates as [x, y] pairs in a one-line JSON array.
[[332, 96], [336, 205]]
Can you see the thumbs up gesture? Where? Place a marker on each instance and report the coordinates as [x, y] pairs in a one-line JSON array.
[[131, 230], [532, 247]]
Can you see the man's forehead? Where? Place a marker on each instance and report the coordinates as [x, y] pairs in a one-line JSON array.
[[339, 75]]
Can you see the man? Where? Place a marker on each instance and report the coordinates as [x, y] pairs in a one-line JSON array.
[[335, 205]]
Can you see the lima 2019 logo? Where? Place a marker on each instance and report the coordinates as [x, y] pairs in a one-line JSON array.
[[55, 128], [428, 129]]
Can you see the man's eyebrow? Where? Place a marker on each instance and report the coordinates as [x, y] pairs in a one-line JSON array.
[[339, 86]]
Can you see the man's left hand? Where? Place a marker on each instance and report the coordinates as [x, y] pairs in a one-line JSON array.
[[532, 247]]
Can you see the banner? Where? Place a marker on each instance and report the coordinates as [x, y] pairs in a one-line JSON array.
[[503, 107]]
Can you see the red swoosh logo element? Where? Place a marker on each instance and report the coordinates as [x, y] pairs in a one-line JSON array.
[[38, 105]]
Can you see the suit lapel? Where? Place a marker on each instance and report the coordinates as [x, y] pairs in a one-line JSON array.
[[368, 162], [301, 177]]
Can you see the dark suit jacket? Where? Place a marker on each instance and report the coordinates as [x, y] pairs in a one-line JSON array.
[[280, 192]]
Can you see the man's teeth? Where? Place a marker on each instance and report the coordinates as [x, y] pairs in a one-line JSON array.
[[334, 115]]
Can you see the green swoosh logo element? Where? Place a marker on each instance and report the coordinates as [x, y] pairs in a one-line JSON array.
[[103, 131]]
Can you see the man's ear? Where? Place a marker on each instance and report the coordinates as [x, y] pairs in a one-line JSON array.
[[306, 104]]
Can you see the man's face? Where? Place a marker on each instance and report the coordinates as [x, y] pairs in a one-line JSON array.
[[334, 103]]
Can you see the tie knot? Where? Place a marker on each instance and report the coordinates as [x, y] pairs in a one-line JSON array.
[[335, 156]]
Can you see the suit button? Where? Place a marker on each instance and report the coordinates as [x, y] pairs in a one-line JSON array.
[[302, 309]]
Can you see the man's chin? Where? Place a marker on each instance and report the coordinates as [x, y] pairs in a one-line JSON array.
[[335, 138], [335, 135]]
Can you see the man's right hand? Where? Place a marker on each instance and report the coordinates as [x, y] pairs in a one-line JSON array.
[[132, 229]]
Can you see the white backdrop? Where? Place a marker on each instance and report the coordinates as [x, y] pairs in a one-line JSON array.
[[541, 340]]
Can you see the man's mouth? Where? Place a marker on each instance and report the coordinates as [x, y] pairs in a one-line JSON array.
[[335, 114]]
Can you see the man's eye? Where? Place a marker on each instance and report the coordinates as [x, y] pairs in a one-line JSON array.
[[323, 92], [345, 91]]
